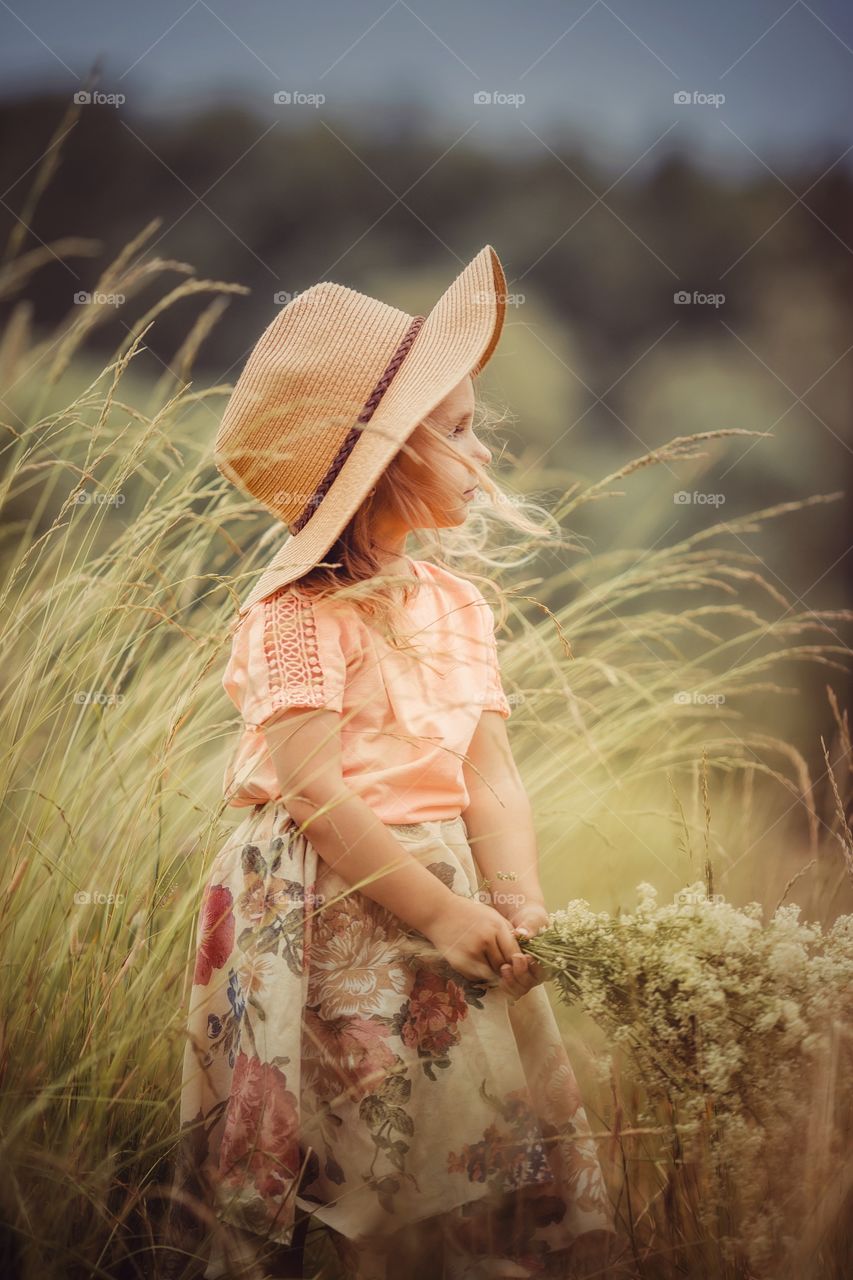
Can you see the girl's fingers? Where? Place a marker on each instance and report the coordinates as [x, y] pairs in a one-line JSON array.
[[517, 983], [507, 943], [531, 928], [494, 954], [485, 974], [509, 983]]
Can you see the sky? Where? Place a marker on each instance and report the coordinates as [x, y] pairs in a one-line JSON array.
[[763, 84]]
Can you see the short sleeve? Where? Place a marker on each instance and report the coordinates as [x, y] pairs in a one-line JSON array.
[[494, 698], [286, 652]]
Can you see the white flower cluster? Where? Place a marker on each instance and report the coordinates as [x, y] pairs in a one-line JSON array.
[[740, 1031]]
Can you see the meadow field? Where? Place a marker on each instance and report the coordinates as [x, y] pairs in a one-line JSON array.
[[670, 703]]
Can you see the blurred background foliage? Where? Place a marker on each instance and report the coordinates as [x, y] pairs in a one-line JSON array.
[[597, 364]]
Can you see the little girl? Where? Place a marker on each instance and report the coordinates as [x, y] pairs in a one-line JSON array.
[[366, 1042]]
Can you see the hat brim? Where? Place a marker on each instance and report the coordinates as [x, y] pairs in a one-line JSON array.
[[458, 337]]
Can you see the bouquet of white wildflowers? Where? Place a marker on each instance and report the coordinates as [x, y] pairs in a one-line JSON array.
[[741, 1031]]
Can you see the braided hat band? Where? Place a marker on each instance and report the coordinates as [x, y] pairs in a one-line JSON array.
[[363, 418], [303, 433]]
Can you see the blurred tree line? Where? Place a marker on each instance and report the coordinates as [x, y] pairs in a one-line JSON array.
[[276, 207]]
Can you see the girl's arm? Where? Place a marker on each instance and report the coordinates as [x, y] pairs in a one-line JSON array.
[[305, 748], [499, 821]]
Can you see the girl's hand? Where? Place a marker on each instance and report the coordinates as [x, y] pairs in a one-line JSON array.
[[522, 973], [532, 917], [474, 939]]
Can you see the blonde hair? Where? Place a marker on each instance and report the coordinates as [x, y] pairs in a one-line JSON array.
[[381, 596]]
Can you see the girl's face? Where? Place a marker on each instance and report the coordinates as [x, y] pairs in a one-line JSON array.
[[455, 478]]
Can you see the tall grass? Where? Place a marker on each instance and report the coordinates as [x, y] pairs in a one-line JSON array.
[[125, 554]]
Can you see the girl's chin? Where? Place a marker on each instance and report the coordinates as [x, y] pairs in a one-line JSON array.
[[459, 516], [451, 516]]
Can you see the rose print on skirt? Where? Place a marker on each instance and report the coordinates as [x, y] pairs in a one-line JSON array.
[[334, 1064], [216, 933]]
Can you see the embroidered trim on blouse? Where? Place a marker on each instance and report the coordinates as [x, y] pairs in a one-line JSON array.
[[292, 651]]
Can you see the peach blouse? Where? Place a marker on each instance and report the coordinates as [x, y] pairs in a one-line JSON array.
[[406, 721]]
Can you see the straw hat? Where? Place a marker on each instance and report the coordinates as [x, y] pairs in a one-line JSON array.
[[333, 388]]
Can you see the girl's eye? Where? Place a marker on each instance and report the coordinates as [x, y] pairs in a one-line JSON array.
[[457, 431]]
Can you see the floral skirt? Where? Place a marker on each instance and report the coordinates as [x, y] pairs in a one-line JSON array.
[[336, 1065]]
